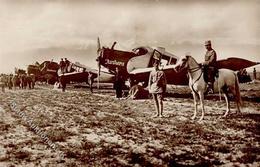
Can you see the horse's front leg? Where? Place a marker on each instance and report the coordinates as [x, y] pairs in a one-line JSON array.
[[201, 96], [227, 103], [195, 105]]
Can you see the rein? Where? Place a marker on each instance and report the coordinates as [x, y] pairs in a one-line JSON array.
[[192, 70]]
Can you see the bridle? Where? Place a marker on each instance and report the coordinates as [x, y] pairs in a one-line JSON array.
[[192, 70], [195, 69]]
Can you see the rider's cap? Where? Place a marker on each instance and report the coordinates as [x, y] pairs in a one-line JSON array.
[[207, 42]]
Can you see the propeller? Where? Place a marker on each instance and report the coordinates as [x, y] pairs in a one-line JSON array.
[[98, 60]]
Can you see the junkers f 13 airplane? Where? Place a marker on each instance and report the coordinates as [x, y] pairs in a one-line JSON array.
[[136, 65]]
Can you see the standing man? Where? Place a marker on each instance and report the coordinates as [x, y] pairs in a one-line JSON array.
[[210, 66], [254, 73], [67, 63], [157, 86], [118, 84], [62, 66]]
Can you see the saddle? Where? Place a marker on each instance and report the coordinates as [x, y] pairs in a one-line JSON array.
[[209, 73]]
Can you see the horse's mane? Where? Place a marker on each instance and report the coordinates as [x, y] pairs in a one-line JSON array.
[[193, 59]]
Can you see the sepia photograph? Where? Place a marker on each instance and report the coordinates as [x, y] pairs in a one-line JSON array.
[[142, 83]]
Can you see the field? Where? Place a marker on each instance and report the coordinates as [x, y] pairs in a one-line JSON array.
[[45, 127]]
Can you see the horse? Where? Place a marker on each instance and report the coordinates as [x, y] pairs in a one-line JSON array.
[[226, 82]]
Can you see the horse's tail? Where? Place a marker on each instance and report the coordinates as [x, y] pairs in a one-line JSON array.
[[238, 95]]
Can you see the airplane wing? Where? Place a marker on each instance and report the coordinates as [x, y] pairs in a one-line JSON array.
[[82, 75], [149, 69], [141, 70], [172, 76], [77, 64], [235, 64]]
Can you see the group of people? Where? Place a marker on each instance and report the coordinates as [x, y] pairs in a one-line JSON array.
[[157, 79], [64, 65], [22, 81]]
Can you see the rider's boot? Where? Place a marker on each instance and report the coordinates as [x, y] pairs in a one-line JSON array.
[[210, 89]]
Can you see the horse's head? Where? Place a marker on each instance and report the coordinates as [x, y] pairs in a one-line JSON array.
[[182, 64]]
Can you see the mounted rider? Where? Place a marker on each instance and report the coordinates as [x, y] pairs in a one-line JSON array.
[[210, 66]]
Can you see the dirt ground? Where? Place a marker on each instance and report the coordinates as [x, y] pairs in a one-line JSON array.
[[45, 127]]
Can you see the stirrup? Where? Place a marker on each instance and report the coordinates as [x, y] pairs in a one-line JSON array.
[[209, 90]]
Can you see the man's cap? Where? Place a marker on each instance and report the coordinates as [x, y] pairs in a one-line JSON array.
[[207, 42]]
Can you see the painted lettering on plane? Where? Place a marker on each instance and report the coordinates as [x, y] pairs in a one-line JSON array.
[[114, 62]]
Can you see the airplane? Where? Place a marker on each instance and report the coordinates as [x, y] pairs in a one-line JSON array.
[[136, 65], [46, 71], [80, 73], [50, 72]]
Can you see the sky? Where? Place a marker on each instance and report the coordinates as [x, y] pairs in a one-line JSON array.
[[52, 29]]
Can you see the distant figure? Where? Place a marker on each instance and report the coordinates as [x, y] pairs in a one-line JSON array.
[[10, 82], [157, 87], [2, 82], [210, 66], [118, 84], [16, 81], [91, 77], [244, 72], [254, 73], [30, 78], [33, 80], [62, 66], [23, 81], [67, 63]]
